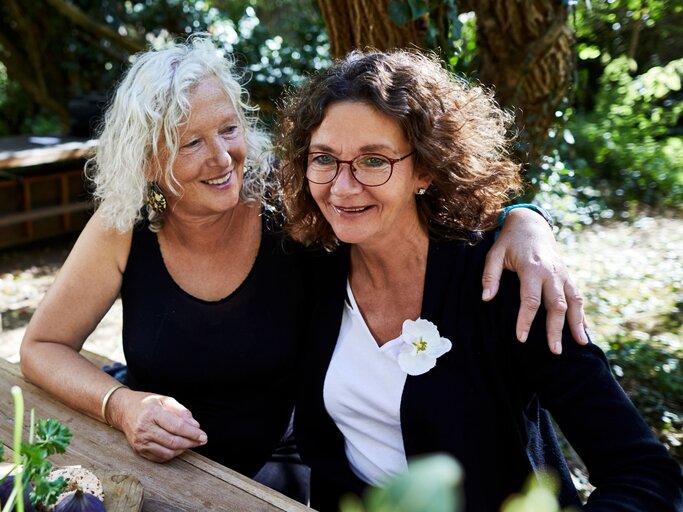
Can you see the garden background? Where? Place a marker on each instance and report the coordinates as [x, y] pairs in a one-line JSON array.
[[596, 86]]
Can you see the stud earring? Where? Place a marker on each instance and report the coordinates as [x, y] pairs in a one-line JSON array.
[[421, 191], [156, 199]]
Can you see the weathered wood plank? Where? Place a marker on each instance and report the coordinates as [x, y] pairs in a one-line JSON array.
[[71, 150]]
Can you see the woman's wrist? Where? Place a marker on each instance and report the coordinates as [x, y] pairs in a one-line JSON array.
[[106, 399], [535, 208]]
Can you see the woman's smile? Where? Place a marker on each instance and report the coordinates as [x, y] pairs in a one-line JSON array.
[[220, 182], [361, 214], [351, 210]]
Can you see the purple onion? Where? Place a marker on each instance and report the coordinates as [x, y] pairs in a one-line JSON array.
[[6, 487], [79, 501]]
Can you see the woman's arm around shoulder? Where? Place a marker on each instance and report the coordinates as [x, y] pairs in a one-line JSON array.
[[527, 246]]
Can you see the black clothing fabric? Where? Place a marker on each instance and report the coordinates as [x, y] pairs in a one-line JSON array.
[[231, 362], [487, 400]]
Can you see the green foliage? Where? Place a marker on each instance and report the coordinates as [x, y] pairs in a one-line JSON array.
[[277, 43], [47, 438], [629, 147], [431, 484], [650, 371], [648, 31], [434, 484], [51, 437], [539, 495], [441, 18]]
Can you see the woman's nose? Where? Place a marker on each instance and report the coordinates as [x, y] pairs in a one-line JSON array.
[[221, 152], [345, 182]]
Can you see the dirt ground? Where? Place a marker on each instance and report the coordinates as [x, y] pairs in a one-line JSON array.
[[25, 275]]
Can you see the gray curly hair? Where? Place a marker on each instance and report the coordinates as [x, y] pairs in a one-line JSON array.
[[149, 105]]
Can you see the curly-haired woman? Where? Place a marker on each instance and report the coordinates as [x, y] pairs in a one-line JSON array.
[[398, 168]]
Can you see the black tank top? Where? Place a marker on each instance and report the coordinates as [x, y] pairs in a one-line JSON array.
[[231, 362]]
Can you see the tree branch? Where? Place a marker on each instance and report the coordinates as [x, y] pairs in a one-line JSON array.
[[76, 16], [27, 33]]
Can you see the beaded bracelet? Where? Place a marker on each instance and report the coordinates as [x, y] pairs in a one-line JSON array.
[[106, 398]]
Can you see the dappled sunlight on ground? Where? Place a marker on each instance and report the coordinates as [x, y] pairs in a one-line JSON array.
[[631, 276]]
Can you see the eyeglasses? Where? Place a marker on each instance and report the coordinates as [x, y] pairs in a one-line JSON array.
[[369, 169]]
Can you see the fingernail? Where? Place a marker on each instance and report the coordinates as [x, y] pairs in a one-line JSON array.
[[193, 422], [523, 336], [557, 347], [486, 294], [202, 439]]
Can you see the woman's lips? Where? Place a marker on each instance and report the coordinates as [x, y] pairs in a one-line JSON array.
[[350, 210], [222, 180]]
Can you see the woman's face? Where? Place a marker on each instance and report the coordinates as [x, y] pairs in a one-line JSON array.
[[211, 154], [359, 214]]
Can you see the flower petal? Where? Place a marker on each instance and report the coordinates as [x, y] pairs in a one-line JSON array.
[[408, 349], [419, 329], [440, 347], [416, 364]]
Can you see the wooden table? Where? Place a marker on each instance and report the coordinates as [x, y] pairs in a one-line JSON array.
[[188, 483]]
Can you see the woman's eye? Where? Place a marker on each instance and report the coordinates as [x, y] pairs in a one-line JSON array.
[[191, 144], [230, 131], [323, 159], [373, 161]]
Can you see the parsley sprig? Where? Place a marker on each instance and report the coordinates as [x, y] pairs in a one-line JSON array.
[[46, 438]]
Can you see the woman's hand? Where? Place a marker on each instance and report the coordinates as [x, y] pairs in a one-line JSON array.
[[157, 427], [526, 245]]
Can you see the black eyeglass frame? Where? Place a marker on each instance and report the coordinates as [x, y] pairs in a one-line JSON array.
[[392, 161]]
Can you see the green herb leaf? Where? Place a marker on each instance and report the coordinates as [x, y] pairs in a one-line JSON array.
[[53, 436], [45, 491]]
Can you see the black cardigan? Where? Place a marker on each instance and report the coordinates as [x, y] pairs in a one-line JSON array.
[[485, 401]]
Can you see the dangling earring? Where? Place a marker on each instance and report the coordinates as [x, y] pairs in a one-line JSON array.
[[156, 199], [421, 191]]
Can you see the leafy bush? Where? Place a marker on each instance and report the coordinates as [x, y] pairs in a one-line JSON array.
[[629, 148], [650, 372]]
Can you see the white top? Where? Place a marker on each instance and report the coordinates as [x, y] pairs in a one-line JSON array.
[[362, 394]]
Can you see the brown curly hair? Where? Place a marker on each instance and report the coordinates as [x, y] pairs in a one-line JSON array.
[[458, 131]]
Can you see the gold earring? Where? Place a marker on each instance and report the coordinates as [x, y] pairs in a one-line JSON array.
[[156, 199]]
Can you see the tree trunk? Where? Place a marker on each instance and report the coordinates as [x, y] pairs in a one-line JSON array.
[[356, 24], [526, 49]]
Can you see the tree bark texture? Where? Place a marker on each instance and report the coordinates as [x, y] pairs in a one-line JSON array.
[[356, 24], [526, 49]]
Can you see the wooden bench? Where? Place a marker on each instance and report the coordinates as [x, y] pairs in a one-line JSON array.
[[42, 190]]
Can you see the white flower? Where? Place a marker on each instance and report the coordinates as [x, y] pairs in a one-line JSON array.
[[422, 345]]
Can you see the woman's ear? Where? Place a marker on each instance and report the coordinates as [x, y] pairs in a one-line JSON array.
[[423, 179]]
